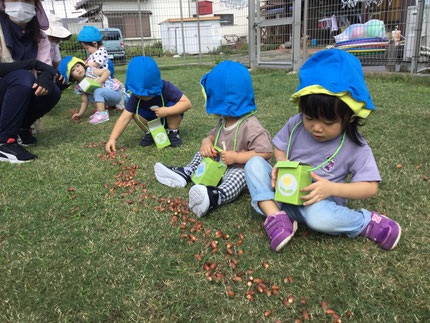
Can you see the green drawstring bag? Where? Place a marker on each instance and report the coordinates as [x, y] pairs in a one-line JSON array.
[[158, 132], [209, 172], [294, 175]]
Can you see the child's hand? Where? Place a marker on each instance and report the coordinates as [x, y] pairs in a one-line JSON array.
[[320, 190], [207, 148], [161, 112], [76, 116], [229, 157], [110, 146]]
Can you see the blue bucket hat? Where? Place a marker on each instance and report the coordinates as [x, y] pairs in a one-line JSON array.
[[65, 66], [228, 90], [338, 73], [89, 34], [143, 77]]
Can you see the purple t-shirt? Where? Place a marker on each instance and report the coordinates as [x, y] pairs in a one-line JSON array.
[[171, 95], [351, 158]]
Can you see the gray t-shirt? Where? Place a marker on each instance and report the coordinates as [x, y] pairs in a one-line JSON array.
[[251, 136], [351, 158]]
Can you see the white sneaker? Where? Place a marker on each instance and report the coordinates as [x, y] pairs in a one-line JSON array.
[[199, 200], [171, 176]]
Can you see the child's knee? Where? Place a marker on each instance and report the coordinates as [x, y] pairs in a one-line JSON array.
[[316, 218], [254, 164]]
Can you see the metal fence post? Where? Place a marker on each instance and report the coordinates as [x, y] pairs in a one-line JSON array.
[[305, 32], [198, 31], [65, 14], [141, 27], [251, 34], [182, 31], [297, 7], [417, 37]]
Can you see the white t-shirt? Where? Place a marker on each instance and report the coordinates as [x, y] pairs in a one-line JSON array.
[[100, 56], [55, 53]]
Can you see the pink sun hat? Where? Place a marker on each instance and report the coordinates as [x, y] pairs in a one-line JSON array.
[[56, 28]]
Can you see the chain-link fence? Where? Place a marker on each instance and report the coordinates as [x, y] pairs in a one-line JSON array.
[[386, 35], [172, 31]]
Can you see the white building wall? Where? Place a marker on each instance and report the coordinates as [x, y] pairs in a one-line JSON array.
[[170, 9], [210, 35]]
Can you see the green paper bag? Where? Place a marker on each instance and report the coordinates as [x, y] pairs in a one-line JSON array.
[[158, 133], [89, 85], [209, 172], [292, 177]]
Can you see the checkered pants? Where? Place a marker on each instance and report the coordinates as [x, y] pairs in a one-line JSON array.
[[233, 181]]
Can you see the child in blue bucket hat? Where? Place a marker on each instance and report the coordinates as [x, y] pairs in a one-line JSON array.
[[237, 137], [74, 70], [151, 98], [90, 39], [333, 100]]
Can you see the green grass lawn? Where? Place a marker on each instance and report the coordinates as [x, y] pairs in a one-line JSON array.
[[87, 238]]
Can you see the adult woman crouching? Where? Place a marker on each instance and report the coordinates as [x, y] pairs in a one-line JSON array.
[[27, 88]]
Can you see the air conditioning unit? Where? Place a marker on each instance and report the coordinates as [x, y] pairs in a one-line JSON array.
[[411, 22]]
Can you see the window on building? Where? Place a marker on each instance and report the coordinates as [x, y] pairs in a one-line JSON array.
[[227, 19], [129, 24]]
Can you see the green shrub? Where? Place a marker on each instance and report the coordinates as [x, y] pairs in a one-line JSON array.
[[71, 47], [154, 50]]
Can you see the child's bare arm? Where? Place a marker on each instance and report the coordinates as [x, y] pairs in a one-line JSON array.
[[230, 157], [84, 106], [323, 188], [102, 74], [181, 106], [118, 129], [93, 64]]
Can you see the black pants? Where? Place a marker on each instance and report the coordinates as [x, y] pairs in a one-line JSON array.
[[19, 107]]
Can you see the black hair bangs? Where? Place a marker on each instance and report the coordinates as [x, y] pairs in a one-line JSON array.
[[331, 108], [324, 106]]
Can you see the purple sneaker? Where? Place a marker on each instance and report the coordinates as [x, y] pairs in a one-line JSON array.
[[280, 228], [383, 230]]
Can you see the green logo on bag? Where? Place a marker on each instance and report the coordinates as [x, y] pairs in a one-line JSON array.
[[287, 185], [160, 138], [201, 169]]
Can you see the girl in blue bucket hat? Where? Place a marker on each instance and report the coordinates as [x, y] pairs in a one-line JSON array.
[[103, 92], [237, 137], [151, 98], [90, 39], [333, 100]]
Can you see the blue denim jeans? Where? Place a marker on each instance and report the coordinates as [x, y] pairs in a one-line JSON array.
[[108, 96], [325, 216]]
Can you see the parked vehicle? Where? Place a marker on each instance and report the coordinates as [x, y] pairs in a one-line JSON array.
[[113, 42]]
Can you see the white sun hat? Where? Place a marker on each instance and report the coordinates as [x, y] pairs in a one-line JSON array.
[[56, 28]]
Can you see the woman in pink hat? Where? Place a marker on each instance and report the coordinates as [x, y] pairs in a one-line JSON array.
[[24, 96], [56, 33]]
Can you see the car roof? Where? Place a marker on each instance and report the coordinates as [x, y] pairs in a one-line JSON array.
[[109, 29]]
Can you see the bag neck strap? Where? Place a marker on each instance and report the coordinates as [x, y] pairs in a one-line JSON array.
[[235, 135], [137, 113], [328, 160]]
